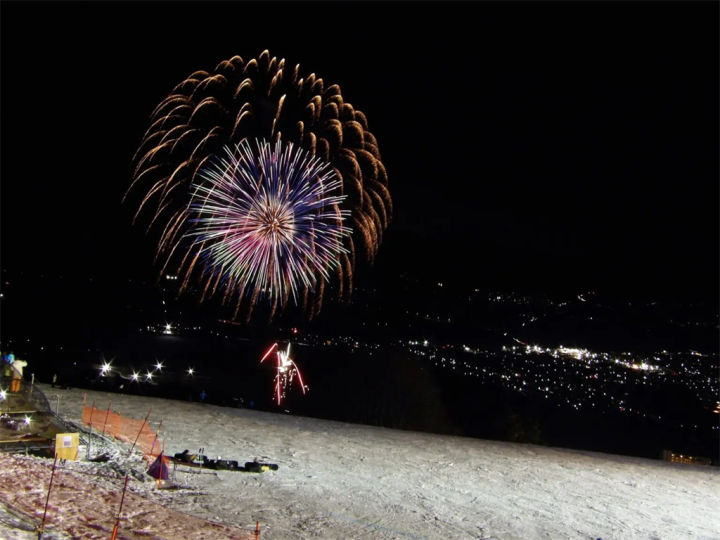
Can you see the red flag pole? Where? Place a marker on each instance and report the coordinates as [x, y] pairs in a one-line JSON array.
[[140, 433], [47, 500], [257, 530], [106, 417], [122, 500]]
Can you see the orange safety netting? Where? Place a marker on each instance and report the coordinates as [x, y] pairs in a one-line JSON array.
[[128, 430]]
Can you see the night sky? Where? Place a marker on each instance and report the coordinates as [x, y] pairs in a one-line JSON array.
[[527, 146]]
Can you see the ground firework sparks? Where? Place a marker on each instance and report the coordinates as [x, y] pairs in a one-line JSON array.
[[268, 220], [287, 370]]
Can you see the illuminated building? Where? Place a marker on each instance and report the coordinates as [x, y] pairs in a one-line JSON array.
[[682, 458]]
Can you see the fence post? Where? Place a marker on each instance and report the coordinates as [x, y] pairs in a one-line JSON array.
[[122, 500], [57, 406], [119, 425], [106, 417], [92, 411], [257, 530], [140, 433], [156, 437], [47, 500]]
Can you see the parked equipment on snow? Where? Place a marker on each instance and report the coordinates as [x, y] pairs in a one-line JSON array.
[[256, 467], [198, 460]]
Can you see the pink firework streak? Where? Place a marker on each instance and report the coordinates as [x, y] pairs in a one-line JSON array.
[[287, 369]]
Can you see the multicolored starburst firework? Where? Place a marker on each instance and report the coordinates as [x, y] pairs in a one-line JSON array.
[[267, 222], [268, 99], [286, 371]]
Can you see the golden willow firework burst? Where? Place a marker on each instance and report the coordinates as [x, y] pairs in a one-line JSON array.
[[260, 99]]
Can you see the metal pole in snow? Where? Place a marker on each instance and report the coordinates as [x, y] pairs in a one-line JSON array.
[[141, 428], [152, 448], [92, 411], [47, 500], [106, 417], [122, 500]]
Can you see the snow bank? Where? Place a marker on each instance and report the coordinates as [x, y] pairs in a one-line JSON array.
[[349, 481]]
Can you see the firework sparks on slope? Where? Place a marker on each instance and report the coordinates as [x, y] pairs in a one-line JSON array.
[[287, 370], [267, 221]]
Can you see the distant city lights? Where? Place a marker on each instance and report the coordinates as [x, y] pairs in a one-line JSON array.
[[523, 345]]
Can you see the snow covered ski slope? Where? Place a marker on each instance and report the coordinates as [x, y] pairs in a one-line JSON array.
[[349, 481]]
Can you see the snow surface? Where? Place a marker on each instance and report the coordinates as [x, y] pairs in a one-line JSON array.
[[84, 503], [350, 481]]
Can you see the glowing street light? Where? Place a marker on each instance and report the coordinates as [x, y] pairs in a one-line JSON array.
[[159, 366], [134, 376], [148, 376], [191, 371]]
